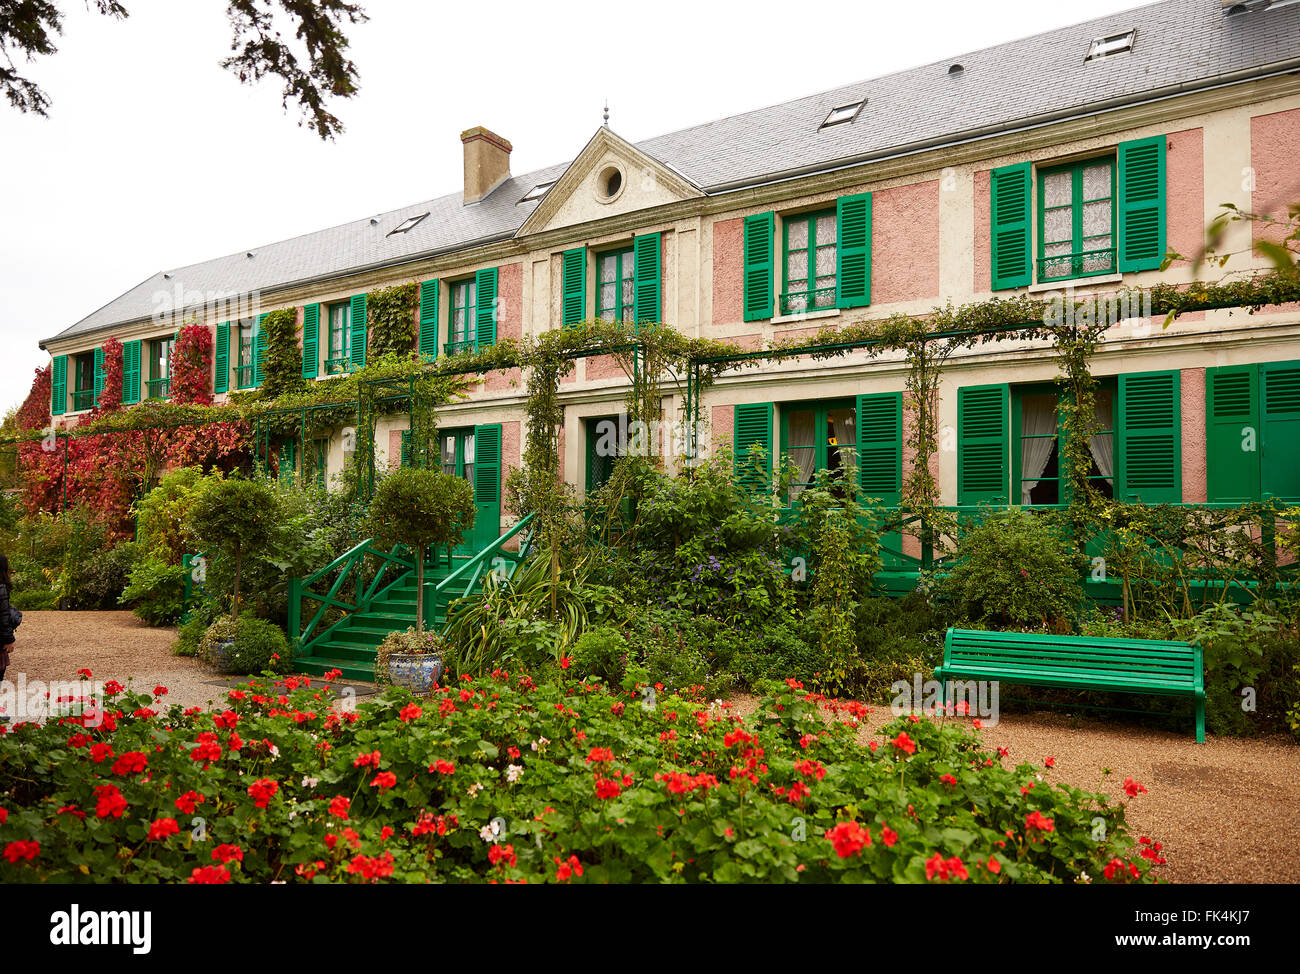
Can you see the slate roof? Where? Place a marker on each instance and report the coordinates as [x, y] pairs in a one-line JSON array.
[[1179, 45]]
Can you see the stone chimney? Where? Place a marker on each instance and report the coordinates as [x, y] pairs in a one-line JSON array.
[[487, 162]]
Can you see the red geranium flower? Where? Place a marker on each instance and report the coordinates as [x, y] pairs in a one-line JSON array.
[[162, 828], [606, 788], [225, 853], [1132, 788], [904, 743], [442, 767], [262, 791], [384, 780], [1036, 820], [410, 712], [23, 849], [340, 805], [109, 802], [849, 838], [210, 875], [132, 762], [187, 802]]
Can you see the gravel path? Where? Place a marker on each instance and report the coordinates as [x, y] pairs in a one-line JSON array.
[[52, 646], [1227, 811]]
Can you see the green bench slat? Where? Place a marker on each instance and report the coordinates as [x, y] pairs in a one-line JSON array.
[[1098, 652], [1078, 662], [1078, 677]]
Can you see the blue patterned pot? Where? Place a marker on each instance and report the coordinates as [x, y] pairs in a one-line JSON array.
[[221, 654], [417, 672]]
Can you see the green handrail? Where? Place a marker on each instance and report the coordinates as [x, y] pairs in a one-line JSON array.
[[350, 565], [473, 570]]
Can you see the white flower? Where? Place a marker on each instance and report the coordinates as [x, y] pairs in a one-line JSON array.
[[474, 789], [513, 772], [488, 833], [310, 782], [275, 752]]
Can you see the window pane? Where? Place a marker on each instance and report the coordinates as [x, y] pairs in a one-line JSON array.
[[1096, 220], [799, 427], [629, 298], [825, 261], [826, 229], [1058, 189], [798, 234], [1058, 225], [797, 270], [468, 440], [1096, 182], [608, 267]]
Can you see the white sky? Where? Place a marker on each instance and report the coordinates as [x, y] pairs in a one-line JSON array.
[[154, 157]]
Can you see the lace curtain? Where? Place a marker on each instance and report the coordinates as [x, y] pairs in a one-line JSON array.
[[1037, 429]]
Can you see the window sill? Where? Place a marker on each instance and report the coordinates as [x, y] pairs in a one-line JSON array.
[[1075, 282], [806, 316]]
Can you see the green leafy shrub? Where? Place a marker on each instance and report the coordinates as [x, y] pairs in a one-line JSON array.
[[780, 648], [259, 646], [233, 519], [100, 580], [1015, 568], [162, 515], [155, 591], [681, 651], [645, 793], [602, 653]]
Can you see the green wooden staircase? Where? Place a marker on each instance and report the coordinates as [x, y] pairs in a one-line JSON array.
[[384, 600]]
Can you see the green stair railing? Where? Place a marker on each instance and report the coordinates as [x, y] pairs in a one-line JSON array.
[[351, 567], [464, 579]]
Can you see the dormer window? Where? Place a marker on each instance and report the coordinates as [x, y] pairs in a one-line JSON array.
[[537, 192], [1114, 44], [410, 223], [844, 113]]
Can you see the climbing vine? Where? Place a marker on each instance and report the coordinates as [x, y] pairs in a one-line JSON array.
[[282, 361], [390, 314]]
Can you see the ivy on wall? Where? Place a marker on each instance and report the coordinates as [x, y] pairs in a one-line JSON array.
[[390, 315], [282, 358], [191, 366]]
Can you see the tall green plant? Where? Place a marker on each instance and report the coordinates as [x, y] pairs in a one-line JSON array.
[[235, 517], [422, 509]]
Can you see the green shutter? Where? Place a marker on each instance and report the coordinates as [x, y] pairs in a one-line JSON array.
[[1140, 210], [405, 455], [259, 349], [311, 341], [99, 373], [487, 486], [752, 428], [646, 277], [853, 251], [357, 321], [429, 320], [982, 450], [1009, 234], [131, 372], [485, 307], [1150, 438], [880, 446], [759, 233], [574, 289], [1280, 433], [1232, 434], [59, 386], [221, 358]]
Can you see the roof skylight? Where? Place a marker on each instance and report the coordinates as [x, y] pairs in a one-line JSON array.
[[844, 113], [1114, 44], [410, 223], [537, 192]]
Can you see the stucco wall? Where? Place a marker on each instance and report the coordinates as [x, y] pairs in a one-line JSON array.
[[905, 243], [1192, 408], [728, 270]]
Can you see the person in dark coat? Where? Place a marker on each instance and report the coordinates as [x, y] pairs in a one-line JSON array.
[[6, 620]]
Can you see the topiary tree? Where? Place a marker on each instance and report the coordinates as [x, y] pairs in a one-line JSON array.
[[235, 517], [422, 509]]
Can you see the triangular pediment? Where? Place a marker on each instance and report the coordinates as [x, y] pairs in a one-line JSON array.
[[585, 194]]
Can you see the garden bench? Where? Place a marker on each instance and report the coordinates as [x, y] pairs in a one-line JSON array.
[[1078, 662]]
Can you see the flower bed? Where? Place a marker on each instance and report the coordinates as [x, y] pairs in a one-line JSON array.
[[503, 779]]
